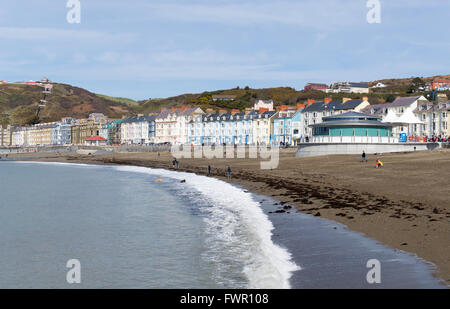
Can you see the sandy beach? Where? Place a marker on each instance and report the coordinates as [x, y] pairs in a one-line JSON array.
[[405, 205]]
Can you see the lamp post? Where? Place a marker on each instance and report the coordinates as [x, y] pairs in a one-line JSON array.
[[432, 118]]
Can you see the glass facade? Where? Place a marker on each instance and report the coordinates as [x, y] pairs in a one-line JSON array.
[[353, 131]]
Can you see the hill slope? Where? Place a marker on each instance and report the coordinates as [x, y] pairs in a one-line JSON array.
[[19, 103], [284, 95]]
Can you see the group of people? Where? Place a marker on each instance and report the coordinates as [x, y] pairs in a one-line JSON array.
[[378, 163], [439, 139], [228, 171]]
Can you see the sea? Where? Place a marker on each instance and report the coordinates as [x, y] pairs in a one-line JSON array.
[[137, 227]]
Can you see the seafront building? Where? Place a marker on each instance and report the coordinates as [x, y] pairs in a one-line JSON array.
[[40, 134], [352, 127], [138, 129], [5, 135], [314, 112], [353, 133], [283, 126], [263, 128], [62, 132], [405, 112], [413, 116], [85, 128], [114, 131], [18, 137], [172, 125], [435, 119]]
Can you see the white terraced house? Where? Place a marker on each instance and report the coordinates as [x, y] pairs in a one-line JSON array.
[[263, 128], [226, 128], [172, 125], [138, 130], [400, 107]]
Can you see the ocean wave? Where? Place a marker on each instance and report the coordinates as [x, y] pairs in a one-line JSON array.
[[240, 232]]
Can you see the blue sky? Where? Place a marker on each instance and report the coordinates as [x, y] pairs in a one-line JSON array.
[[158, 48]]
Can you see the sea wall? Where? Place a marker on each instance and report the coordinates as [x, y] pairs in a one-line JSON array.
[[322, 149]]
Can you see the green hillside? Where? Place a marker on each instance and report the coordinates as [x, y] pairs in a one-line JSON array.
[[19, 103]]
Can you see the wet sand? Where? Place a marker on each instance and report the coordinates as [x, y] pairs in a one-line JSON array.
[[405, 205]]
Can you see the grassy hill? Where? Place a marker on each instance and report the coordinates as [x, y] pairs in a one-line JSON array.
[[284, 95], [19, 103]]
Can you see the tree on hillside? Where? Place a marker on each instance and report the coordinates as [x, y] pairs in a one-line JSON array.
[[390, 98], [416, 84]]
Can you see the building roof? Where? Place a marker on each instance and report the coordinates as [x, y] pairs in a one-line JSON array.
[[132, 119], [359, 85], [355, 115], [351, 119], [96, 138], [375, 109], [333, 105], [406, 101], [350, 84]]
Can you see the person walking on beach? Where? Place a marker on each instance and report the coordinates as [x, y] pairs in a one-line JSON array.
[[364, 157], [209, 170], [229, 172]]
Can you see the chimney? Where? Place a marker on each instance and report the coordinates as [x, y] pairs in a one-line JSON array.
[[310, 101], [344, 100], [327, 100], [235, 111], [365, 99]]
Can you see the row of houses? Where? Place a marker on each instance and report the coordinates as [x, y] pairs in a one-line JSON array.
[[439, 84], [339, 87], [191, 125], [416, 115]]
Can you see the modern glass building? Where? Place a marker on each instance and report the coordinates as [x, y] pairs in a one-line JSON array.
[[352, 127]]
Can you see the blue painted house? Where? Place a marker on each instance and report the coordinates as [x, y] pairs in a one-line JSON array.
[[285, 126]]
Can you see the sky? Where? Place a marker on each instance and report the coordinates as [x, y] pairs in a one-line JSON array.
[[144, 49]]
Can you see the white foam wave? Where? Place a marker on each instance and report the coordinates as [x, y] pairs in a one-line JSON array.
[[240, 227]]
